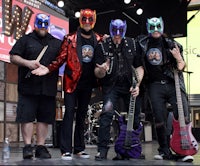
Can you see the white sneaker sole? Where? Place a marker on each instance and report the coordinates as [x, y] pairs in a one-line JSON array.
[[66, 158], [187, 159], [158, 157], [83, 157]]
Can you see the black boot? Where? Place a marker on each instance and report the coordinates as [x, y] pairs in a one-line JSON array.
[[101, 155], [118, 157]]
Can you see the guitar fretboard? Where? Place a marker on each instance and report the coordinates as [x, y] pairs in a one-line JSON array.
[[179, 100], [131, 112]]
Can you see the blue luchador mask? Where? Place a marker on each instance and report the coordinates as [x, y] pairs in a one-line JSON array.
[[117, 27], [42, 21]]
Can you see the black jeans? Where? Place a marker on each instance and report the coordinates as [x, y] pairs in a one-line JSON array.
[[110, 102], [160, 95], [80, 98]]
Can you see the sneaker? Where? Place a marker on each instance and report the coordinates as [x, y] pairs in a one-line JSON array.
[[159, 156], [42, 152], [117, 157], [100, 157], [27, 152], [142, 156], [187, 158], [162, 156], [83, 155], [66, 156]]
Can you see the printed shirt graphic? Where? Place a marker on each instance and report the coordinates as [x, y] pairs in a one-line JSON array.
[[87, 53], [154, 56]]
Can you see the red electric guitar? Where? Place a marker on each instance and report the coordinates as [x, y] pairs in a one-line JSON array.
[[182, 141]]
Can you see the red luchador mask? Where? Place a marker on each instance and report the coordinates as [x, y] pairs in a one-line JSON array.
[[87, 16]]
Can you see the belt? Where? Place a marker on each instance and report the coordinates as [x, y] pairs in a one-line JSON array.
[[161, 81]]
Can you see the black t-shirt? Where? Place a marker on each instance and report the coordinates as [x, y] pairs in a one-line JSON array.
[[29, 47], [155, 60], [87, 77]]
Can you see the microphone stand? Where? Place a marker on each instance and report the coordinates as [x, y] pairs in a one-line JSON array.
[[188, 72], [193, 16]]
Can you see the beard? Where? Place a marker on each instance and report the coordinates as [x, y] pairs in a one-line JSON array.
[[83, 31], [42, 32], [117, 40]]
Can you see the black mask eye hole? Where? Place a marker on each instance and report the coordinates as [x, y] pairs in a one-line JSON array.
[[114, 30], [152, 27], [158, 26], [90, 19], [121, 30], [39, 22], [46, 23], [84, 19]]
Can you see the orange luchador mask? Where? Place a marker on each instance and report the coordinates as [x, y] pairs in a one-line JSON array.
[[87, 16]]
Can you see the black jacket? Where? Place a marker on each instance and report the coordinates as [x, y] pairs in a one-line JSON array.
[[169, 63]]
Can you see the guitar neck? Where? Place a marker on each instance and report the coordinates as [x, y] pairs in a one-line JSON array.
[[131, 114], [181, 117], [129, 129]]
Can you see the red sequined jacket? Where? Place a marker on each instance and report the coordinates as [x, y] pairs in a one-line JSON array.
[[70, 53]]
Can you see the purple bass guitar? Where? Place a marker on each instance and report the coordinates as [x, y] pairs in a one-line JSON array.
[[128, 143]]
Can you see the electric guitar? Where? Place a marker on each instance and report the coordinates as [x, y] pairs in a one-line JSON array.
[[182, 141], [128, 142]]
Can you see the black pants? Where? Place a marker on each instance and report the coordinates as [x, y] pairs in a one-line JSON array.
[[160, 95], [110, 102], [80, 98]]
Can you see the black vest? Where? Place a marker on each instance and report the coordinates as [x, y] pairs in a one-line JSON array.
[[127, 51]]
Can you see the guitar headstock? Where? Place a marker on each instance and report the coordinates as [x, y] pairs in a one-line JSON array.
[[134, 83]]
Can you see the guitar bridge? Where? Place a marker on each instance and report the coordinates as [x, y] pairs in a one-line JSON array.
[[185, 147], [127, 147], [130, 146], [185, 144]]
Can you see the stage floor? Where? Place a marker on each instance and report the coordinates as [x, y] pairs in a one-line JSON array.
[[149, 150]]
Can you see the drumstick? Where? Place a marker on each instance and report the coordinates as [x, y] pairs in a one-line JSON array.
[[37, 59]]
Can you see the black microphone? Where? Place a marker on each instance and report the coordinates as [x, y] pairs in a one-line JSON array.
[[188, 72], [198, 55]]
